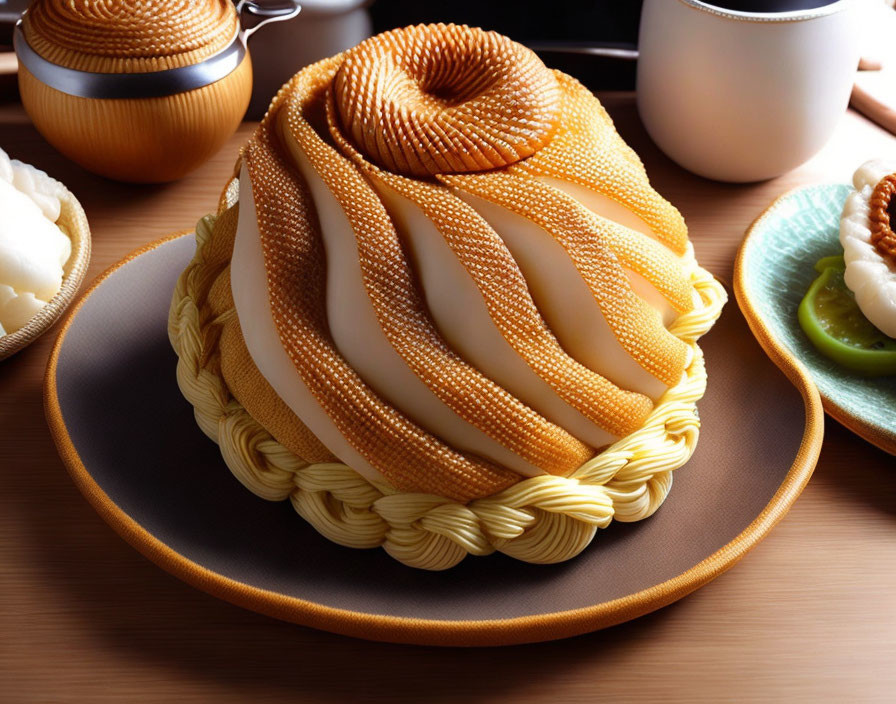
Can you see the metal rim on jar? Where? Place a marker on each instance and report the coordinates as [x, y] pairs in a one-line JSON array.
[[151, 84]]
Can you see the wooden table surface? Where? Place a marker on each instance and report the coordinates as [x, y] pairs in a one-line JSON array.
[[810, 614]]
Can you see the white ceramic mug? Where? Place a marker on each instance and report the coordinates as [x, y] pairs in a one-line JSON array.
[[744, 96]]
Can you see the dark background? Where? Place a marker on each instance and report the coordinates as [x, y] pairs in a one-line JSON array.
[[578, 20], [613, 22], [527, 20], [605, 22]]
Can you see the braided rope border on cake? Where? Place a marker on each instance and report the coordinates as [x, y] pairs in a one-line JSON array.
[[542, 519]]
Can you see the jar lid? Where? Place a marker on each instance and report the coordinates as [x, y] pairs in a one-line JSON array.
[[129, 36]]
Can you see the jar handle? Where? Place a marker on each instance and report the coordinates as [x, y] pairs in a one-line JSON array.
[[269, 12]]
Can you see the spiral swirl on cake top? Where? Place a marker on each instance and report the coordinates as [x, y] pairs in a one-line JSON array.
[[128, 36], [434, 99]]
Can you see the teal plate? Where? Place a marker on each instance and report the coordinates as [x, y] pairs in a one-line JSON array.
[[773, 271]]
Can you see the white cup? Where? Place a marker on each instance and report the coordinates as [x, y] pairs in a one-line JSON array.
[[744, 96]]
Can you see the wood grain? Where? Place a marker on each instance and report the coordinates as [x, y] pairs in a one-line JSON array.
[[809, 615]]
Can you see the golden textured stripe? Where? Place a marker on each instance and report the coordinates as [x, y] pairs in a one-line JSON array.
[[128, 36], [652, 260], [636, 325], [399, 306], [588, 151], [407, 456], [445, 98], [213, 297], [487, 260], [255, 394]]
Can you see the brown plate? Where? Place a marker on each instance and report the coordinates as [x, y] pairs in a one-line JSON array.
[[133, 448]]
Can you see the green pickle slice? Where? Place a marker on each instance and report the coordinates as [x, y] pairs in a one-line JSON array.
[[831, 318]]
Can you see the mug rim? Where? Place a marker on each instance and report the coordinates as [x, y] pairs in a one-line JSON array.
[[790, 16]]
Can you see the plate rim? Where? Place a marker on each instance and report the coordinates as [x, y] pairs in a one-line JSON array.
[[774, 348], [422, 631]]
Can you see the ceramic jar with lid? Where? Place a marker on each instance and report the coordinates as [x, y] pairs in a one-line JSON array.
[[137, 90]]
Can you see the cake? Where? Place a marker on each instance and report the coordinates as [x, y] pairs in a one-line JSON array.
[[441, 309]]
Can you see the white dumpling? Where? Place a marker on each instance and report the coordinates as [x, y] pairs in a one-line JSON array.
[[18, 309], [869, 274], [33, 249], [34, 183]]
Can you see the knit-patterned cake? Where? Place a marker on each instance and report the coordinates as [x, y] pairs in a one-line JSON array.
[[441, 309]]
